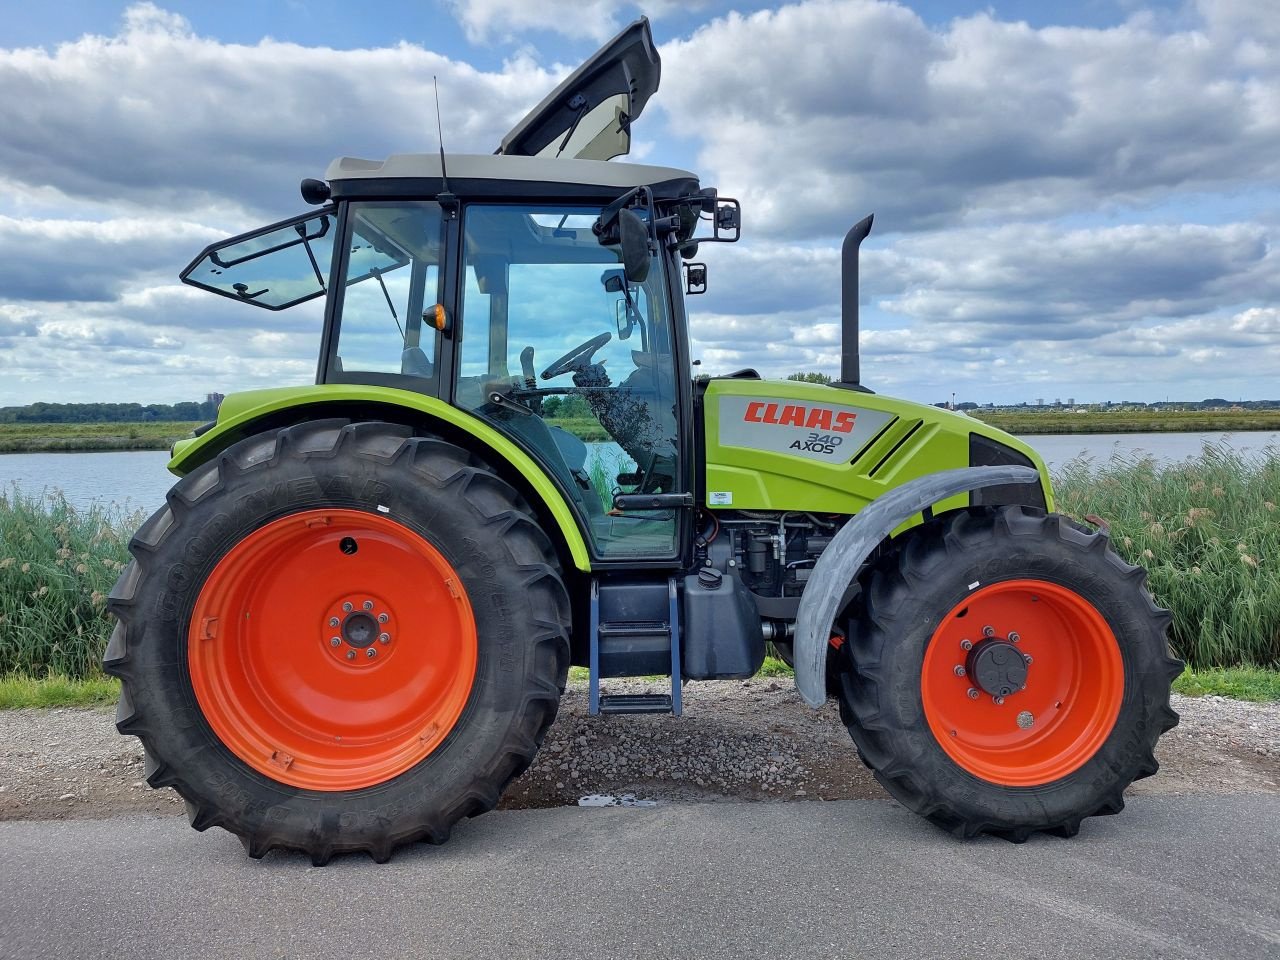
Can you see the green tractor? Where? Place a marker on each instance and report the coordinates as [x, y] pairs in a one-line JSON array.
[[351, 623]]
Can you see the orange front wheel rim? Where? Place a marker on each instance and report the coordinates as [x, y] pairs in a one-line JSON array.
[[332, 649], [1022, 682]]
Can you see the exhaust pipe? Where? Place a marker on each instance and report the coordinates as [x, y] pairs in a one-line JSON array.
[[850, 375]]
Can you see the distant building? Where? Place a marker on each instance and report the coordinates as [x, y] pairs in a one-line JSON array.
[[215, 399]]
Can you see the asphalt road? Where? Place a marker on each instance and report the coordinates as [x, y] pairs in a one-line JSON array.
[[1176, 876]]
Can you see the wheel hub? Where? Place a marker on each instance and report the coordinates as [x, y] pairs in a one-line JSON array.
[[997, 667], [360, 630], [357, 630]]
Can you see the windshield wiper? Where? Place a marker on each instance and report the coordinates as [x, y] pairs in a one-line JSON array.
[[377, 275]]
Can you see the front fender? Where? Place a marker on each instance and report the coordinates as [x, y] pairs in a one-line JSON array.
[[240, 412], [851, 546]]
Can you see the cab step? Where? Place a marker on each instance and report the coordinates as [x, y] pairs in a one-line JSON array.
[[634, 632], [635, 703]]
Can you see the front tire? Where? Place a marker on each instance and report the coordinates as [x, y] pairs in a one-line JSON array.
[[1007, 672], [339, 637]]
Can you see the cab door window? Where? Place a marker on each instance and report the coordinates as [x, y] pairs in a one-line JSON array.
[[574, 363]]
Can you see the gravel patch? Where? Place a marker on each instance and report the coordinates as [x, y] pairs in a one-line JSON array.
[[737, 740]]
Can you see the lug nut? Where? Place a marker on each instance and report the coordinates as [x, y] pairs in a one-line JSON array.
[[988, 631], [334, 621], [351, 654], [384, 638], [348, 607], [973, 694], [999, 701], [371, 652], [383, 618], [966, 644], [1027, 658], [959, 670], [368, 604], [335, 641], [1013, 637]]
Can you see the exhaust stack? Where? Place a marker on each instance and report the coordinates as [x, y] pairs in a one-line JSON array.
[[849, 372]]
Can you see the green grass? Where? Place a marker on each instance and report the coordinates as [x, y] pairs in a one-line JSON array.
[[1238, 683], [17, 691], [1208, 533], [57, 565], [37, 437], [1165, 421]]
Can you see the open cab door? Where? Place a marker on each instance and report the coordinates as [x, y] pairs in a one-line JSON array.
[[589, 115]]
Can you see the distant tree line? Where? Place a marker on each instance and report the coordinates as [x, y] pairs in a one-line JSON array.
[[566, 408], [812, 376], [110, 412]]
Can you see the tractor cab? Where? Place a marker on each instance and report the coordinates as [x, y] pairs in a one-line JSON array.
[[543, 296], [538, 289]]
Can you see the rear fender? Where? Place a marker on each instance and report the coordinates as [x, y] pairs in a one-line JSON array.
[[853, 543], [244, 414]]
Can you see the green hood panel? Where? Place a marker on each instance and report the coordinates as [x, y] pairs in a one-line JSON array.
[[787, 445], [240, 411]]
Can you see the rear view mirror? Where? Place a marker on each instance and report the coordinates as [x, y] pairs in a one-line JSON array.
[[695, 278], [634, 238], [625, 319]]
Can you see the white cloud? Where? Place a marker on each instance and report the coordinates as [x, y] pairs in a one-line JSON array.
[[160, 117], [1005, 164], [62, 260], [817, 112], [590, 19]]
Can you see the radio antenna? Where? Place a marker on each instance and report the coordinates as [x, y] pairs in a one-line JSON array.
[[444, 176]]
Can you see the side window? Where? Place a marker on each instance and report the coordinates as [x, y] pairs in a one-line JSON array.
[[560, 352], [392, 277], [276, 267]]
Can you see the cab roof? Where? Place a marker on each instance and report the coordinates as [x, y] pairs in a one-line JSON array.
[[420, 174]]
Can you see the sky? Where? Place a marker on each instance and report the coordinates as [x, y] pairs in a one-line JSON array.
[[1072, 200]]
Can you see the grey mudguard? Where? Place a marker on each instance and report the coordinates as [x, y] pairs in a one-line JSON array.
[[851, 546]]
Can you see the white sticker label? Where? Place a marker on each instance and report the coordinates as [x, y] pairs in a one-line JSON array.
[[831, 432], [719, 498]]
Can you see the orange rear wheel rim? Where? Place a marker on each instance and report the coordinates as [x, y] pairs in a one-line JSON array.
[[332, 649], [1065, 690]]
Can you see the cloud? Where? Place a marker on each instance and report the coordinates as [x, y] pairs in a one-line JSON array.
[[1041, 280], [1031, 187], [161, 118], [87, 260], [818, 112], [590, 19]]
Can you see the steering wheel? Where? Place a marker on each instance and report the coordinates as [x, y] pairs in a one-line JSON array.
[[576, 357]]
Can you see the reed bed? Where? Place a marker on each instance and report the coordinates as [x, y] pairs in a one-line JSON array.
[[1208, 531], [57, 565]]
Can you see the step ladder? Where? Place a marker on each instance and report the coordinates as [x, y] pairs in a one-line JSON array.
[[618, 646]]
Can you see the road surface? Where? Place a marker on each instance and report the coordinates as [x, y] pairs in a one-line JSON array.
[[1174, 876]]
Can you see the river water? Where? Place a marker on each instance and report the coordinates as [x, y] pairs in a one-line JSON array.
[[137, 480]]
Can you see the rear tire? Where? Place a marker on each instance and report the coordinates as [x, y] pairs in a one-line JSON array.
[[923, 709], [230, 679]]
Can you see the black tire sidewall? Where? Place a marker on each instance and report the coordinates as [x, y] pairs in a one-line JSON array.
[[207, 525], [992, 553]]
